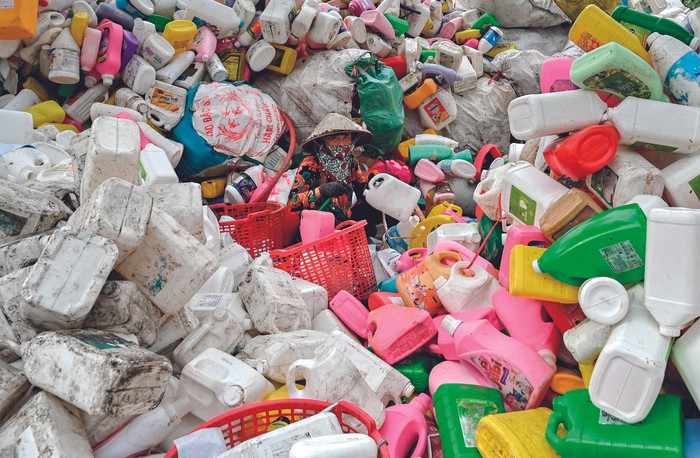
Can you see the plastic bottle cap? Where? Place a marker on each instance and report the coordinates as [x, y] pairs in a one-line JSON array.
[[107, 80], [408, 391], [603, 300], [536, 266], [451, 324], [652, 37], [232, 396], [247, 324], [669, 331]]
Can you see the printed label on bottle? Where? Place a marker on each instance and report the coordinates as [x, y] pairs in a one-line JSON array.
[[588, 42], [394, 240], [619, 83], [607, 419], [417, 284], [64, 60], [603, 183], [101, 341], [166, 100], [234, 63], [436, 111], [521, 206], [142, 172], [654, 146], [695, 186], [245, 186], [562, 86], [104, 45], [515, 388], [682, 78], [10, 223], [470, 411], [7, 4], [638, 31], [621, 257]]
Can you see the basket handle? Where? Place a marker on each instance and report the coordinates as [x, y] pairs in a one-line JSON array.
[[345, 407], [345, 224]]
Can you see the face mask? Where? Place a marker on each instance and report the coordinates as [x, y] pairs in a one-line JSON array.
[[337, 160]]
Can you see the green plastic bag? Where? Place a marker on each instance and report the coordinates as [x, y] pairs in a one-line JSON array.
[[381, 102]]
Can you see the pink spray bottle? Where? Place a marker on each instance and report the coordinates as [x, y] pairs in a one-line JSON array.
[[109, 58], [405, 425]]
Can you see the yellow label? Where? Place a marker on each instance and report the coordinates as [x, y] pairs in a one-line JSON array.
[[499, 48]]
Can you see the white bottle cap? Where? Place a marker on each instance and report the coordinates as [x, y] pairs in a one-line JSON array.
[[652, 37], [451, 324], [232, 396], [536, 266], [107, 80], [603, 300], [408, 391]]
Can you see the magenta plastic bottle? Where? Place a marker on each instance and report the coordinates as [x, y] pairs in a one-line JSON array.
[[455, 372], [109, 57], [405, 425], [445, 344]]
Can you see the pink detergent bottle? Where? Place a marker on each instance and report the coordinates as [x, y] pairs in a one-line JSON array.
[[467, 255], [396, 332], [456, 372], [405, 427], [351, 312], [204, 44], [526, 320], [519, 234], [109, 58], [445, 344], [519, 372], [555, 75], [410, 259], [380, 299]]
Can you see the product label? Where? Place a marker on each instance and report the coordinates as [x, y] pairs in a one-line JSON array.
[[470, 411], [417, 285], [562, 86], [142, 172], [588, 42], [621, 257], [64, 60], [436, 111], [10, 223], [654, 146], [682, 79], [521, 206], [603, 183], [694, 185], [166, 100], [607, 419], [234, 63], [101, 341], [515, 388], [638, 31], [619, 83], [7, 4], [394, 240], [245, 186], [104, 45]]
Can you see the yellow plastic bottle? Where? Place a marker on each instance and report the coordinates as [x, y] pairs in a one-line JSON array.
[[18, 19], [515, 435], [38, 88], [180, 34], [77, 27], [46, 112], [465, 35], [284, 60], [440, 208], [525, 282], [595, 28], [213, 188]]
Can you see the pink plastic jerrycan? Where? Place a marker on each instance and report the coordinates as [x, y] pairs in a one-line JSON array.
[[396, 332], [410, 259], [405, 427], [315, 224], [445, 344], [351, 312], [456, 372], [526, 320], [467, 255], [519, 372], [519, 235]]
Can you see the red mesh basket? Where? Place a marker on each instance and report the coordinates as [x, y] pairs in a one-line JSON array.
[[258, 226], [253, 420], [337, 261]]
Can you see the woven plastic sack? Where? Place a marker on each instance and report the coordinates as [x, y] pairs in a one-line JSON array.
[[381, 102], [520, 13]]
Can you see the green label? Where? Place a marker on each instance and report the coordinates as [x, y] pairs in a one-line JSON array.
[[522, 206], [142, 172], [604, 183], [102, 341], [654, 146], [621, 257], [638, 31], [470, 411], [695, 186], [619, 83], [11, 224]]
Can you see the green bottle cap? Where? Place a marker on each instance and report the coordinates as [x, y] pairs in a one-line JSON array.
[[159, 21], [427, 53]]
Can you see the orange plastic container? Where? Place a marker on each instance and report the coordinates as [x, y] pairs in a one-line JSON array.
[[17, 19]]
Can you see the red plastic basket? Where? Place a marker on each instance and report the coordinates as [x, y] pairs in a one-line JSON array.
[[253, 420], [257, 226], [337, 261]]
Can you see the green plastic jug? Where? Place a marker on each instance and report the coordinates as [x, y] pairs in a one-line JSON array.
[[642, 25], [592, 433], [611, 244]]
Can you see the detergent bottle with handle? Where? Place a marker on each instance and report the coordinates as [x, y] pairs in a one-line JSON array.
[[678, 65], [405, 428]]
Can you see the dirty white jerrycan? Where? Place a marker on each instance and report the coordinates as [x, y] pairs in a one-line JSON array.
[[96, 371], [203, 305], [24, 164], [182, 201], [64, 283], [220, 330], [216, 382], [271, 355], [392, 196], [332, 377], [466, 289], [175, 328]]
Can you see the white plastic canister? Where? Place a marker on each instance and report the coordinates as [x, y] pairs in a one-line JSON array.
[[528, 193], [392, 196]]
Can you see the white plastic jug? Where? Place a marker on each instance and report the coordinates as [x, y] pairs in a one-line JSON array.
[[528, 193], [96, 371], [315, 296], [14, 326], [216, 382], [203, 305], [171, 332], [182, 201], [627, 175], [72, 258], [155, 167], [276, 20], [388, 383], [24, 164], [682, 179], [272, 301], [463, 291], [219, 330], [222, 20], [438, 110], [586, 340], [684, 356], [671, 289], [327, 321], [18, 127], [629, 372], [332, 377], [338, 446], [271, 355], [170, 265], [166, 105], [392, 196], [465, 234], [79, 109], [114, 151]]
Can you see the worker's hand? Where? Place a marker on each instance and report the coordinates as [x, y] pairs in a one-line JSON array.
[[335, 189]]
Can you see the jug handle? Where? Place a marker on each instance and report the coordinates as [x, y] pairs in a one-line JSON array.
[[556, 419], [486, 150], [459, 266]]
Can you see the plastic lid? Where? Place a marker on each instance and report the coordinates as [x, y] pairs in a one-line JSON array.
[[603, 300], [107, 80], [669, 331], [451, 324], [408, 391], [232, 396], [652, 37], [247, 324], [536, 266]]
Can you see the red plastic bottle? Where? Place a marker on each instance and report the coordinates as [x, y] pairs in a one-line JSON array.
[[582, 153]]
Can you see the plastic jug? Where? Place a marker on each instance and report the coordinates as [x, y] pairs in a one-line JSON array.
[[555, 75], [326, 321], [527, 193], [96, 371], [570, 210], [594, 28], [28, 211], [391, 324], [515, 434], [521, 375], [526, 320], [388, 383], [586, 340], [174, 328], [682, 180], [332, 377], [166, 104], [445, 344], [183, 202], [383, 192], [405, 429], [221, 19], [272, 301], [438, 110], [220, 330], [463, 233], [271, 355], [19, 20], [642, 25], [583, 152], [46, 112], [677, 64], [539, 115], [637, 349], [610, 244], [591, 432], [466, 254], [71, 257], [24, 164], [315, 225], [670, 291], [416, 285], [276, 20], [351, 445], [458, 410], [351, 311], [465, 288], [683, 354], [615, 70], [518, 235], [454, 372]]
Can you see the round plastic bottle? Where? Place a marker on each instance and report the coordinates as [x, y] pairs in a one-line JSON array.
[[109, 57], [204, 44], [405, 428], [64, 67], [679, 68]]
